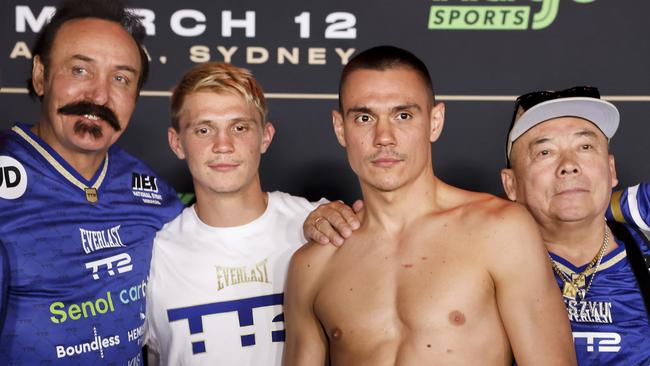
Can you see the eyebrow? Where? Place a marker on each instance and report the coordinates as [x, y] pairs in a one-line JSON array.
[[406, 107], [243, 119], [82, 58], [583, 133], [539, 141], [358, 110], [118, 67]]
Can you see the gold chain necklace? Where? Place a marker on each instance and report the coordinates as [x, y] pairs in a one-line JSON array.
[[573, 285]]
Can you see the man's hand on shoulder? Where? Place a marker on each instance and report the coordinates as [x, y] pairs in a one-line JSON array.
[[333, 222]]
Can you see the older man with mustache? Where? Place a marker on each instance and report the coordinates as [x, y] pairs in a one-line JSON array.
[[77, 213]]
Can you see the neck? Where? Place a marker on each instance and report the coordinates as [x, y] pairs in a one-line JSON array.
[[230, 209], [577, 242], [85, 163], [392, 212]]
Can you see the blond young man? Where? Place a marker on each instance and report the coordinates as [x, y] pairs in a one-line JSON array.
[[435, 274], [215, 291]]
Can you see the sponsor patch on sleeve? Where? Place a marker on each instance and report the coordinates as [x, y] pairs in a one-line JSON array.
[[13, 178]]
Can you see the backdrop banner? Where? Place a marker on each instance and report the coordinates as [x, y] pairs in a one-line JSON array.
[[481, 55]]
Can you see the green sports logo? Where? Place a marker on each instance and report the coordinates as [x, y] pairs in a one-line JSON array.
[[494, 14]]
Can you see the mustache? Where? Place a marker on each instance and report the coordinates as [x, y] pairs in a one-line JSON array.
[[84, 107], [386, 153]]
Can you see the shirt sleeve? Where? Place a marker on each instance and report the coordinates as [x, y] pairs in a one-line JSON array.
[[150, 338], [321, 201], [631, 206]]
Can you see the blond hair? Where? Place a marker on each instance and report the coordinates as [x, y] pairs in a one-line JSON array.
[[218, 77]]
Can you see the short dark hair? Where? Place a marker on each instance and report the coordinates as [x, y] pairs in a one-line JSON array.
[[384, 58], [111, 10]]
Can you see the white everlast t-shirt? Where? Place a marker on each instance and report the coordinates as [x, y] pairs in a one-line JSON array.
[[215, 294]]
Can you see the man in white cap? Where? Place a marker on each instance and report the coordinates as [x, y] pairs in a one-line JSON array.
[[560, 168]]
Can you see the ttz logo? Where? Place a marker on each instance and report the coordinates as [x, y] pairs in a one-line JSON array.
[[13, 178], [122, 260], [600, 342]]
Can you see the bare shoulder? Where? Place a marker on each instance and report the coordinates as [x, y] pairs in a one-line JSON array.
[[483, 209], [502, 234], [312, 253], [502, 223], [309, 261]]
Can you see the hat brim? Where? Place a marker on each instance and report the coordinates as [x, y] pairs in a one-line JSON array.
[[597, 111]]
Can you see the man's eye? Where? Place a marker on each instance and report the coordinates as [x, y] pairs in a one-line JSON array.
[[202, 131], [122, 79], [77, 70], [587, 147], [239, 128], [403, 115], [364, 118]]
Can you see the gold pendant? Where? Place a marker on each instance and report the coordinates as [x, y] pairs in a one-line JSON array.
[[91, 195], [569, 291], [578, 279]]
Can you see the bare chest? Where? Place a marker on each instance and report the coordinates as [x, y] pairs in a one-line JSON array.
[[427, 291]]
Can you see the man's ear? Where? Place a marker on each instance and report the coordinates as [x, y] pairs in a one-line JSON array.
[[612, 170], [38, 75], [339, 128], [268, 131], [509, 182], [174, 140], [437, 121]]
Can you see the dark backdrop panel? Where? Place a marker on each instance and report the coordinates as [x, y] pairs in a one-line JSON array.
[[601, 43]]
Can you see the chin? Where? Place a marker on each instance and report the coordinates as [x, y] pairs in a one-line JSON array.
[[226, 188], [574, 215], [90, 142], [386, 186], [93, 147]]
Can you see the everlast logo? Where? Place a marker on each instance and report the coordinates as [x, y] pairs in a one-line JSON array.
[[230, 276], [13, 178]]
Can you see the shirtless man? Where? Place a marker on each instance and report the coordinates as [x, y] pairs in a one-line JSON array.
[[435, 274]]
